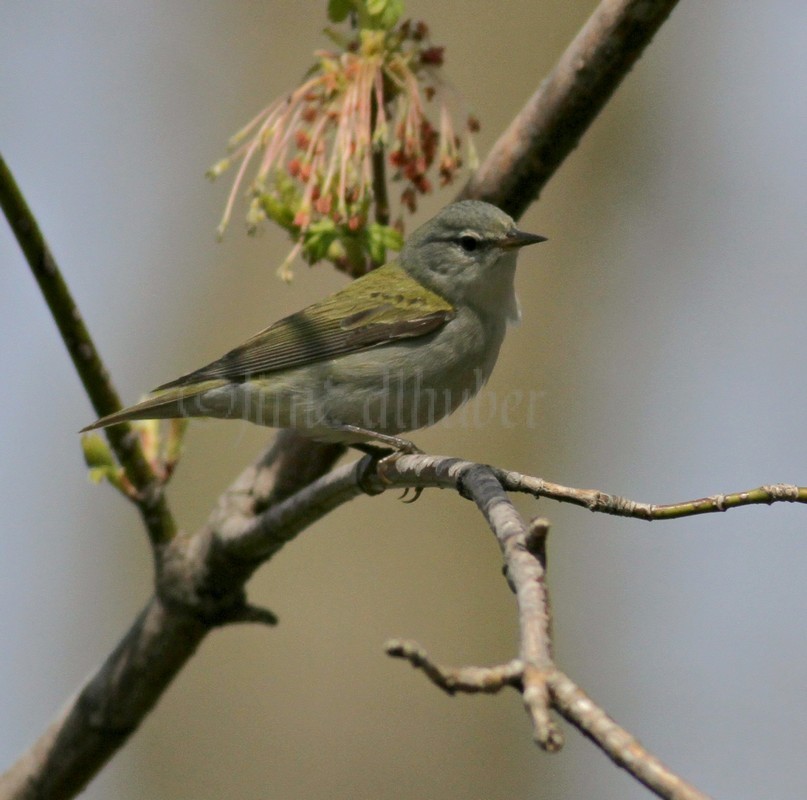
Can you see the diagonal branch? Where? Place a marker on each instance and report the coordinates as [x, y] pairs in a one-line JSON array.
[[199, 586], [149, 498], [554, 119], [620, 746], [99, 719]]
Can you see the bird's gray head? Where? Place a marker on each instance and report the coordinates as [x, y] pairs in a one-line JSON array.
[[467, 254]]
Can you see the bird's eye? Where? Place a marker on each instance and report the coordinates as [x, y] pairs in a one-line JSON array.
[[468, 243]]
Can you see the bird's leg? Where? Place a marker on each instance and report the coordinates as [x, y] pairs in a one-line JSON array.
[[395, 447], [395, 443], [374, 450]]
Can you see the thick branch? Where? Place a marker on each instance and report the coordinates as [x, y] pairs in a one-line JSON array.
[[96, 722], [550, 125], [200, 586]]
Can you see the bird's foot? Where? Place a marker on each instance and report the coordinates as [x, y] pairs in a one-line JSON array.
[[391, 448]]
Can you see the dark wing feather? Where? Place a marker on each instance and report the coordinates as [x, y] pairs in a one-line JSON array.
[[336, 326]]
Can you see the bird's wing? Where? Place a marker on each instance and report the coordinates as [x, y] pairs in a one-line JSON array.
[[353, 319]]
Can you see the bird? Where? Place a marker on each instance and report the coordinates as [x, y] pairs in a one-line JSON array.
[[396, 350]]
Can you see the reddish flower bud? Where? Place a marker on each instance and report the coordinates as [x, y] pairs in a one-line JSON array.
[[432, 56]]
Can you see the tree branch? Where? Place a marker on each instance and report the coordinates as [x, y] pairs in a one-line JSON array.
[[443, 471], [200, 586], [149, 497], [595, 500], [619, 745], [554, 119], [100, 718], [541, 683]]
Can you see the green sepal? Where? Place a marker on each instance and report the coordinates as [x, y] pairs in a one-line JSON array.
[[384, 13], [372, 14], [339, 9], [381, 238], [172, 445], [318, 238], [101, 463]]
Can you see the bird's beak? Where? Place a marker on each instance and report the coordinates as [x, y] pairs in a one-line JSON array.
[[517, 238]]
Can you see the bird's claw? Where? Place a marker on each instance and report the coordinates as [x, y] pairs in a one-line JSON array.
[[418, 490]]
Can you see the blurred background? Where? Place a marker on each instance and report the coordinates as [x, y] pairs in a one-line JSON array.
[[663, 336]]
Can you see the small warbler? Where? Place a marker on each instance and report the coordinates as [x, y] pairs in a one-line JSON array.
[[394, 351]]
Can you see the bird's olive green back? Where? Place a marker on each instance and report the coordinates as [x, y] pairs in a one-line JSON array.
[[383, 306]]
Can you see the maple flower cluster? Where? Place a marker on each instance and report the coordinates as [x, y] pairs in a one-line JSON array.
[[322, 150]]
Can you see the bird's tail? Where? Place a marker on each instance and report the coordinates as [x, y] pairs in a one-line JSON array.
[[171, 403]]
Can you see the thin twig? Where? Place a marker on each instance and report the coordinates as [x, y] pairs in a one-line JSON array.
[[457, 679], [149, 497], [248, 536], [620, 746], [569, 700], [605, 503], [443, 471]]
